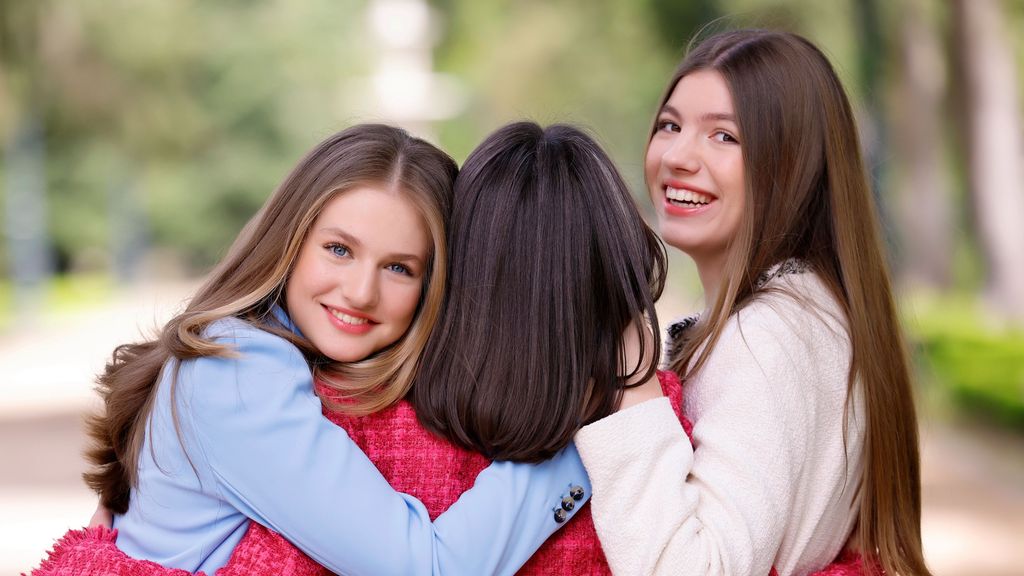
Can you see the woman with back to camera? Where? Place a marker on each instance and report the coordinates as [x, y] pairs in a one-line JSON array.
[[796, 374]]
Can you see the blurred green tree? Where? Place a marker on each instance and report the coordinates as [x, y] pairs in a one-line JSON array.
[[180, 114]]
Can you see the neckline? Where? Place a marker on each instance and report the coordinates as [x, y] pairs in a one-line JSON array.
[[787, 267]]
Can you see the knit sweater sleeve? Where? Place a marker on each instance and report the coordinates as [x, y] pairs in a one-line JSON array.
[[660, 507]]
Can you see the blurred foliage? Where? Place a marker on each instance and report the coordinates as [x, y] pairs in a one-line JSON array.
[[6, 304], [167, 123], [196, 109], [559, 62], [63, 295], [975, 362]]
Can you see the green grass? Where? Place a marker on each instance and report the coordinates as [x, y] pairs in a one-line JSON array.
[[977, 363], [62, 295], [71, 293]]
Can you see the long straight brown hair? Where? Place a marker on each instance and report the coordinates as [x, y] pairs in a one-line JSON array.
[[249, 283], [550, 262], [807, 197]]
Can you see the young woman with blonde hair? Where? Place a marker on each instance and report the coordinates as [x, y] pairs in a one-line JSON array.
[[796, 375], [215, 424]]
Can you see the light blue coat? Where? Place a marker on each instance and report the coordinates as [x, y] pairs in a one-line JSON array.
[[253, 445]]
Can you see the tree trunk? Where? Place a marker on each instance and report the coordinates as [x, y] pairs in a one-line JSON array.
[[995, 147], [924, 189], [25, 214]]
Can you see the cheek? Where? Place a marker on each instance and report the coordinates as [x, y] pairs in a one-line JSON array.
[[736, 175], [404, 300], [293, 290], [738, 186], [652, 162], [305, 271]]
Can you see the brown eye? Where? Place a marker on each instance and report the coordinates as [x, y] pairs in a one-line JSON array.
[[722, 136], [668, 126]]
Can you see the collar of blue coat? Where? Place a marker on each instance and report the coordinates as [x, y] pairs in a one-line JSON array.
[[282, 318]]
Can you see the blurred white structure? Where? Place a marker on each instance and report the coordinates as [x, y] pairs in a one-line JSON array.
[[404, 89]]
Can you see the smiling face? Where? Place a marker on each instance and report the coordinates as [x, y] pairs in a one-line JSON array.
[[694, 170], [358, 277]]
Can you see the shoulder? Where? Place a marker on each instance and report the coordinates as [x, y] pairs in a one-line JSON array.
[[792, 323], [781, 365], [792, 306], [234, 331], [246, 343], [255, 360], [783, 349]]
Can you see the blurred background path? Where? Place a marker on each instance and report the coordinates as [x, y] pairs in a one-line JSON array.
[[46, 380], [973, 477]]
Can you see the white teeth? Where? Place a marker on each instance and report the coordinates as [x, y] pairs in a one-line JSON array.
[[348, 319], [687, 196]]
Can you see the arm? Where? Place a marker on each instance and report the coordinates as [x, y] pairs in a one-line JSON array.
[[257, 423], [659, 507]]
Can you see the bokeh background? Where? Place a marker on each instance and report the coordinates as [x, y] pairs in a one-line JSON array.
[[138, 136]]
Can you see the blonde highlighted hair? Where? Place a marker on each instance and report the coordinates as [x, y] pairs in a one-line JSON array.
[[249, 283], [807, 197]]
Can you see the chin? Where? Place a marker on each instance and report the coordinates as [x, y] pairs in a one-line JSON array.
[[342, 353], [682, 244]]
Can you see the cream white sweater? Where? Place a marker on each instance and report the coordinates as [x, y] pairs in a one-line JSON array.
[[770, 483]]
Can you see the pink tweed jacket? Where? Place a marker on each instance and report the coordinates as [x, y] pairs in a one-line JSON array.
[[413, 461], [437, 472]]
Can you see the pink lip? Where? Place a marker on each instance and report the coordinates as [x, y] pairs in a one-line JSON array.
[[346, 327], [674, 210]]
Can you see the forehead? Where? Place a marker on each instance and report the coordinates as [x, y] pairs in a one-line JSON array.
[[701, 92], [383, 219]]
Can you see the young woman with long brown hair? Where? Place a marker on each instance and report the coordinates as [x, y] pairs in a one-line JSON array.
[[796, 374], [215, 425]]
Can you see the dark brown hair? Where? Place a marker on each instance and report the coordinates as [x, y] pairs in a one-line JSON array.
[[808, 197], [550, 261], [249, 283]]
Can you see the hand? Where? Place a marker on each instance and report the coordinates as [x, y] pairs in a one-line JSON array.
[[651, 388], [101, 517]]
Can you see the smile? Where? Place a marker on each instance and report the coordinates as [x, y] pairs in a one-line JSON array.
[[349, 322], [348, 319], [687, 198]]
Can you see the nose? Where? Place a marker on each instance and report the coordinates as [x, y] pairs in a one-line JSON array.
[[680, 154], [362, 287]]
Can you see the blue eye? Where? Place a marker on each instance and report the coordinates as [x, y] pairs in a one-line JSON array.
[[339, 250], [400, 269]]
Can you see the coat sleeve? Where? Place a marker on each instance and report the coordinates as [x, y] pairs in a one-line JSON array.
[[660, 507], [257, 423]]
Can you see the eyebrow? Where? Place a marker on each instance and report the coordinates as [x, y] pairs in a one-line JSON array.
[[710, 116], [354, 242]]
